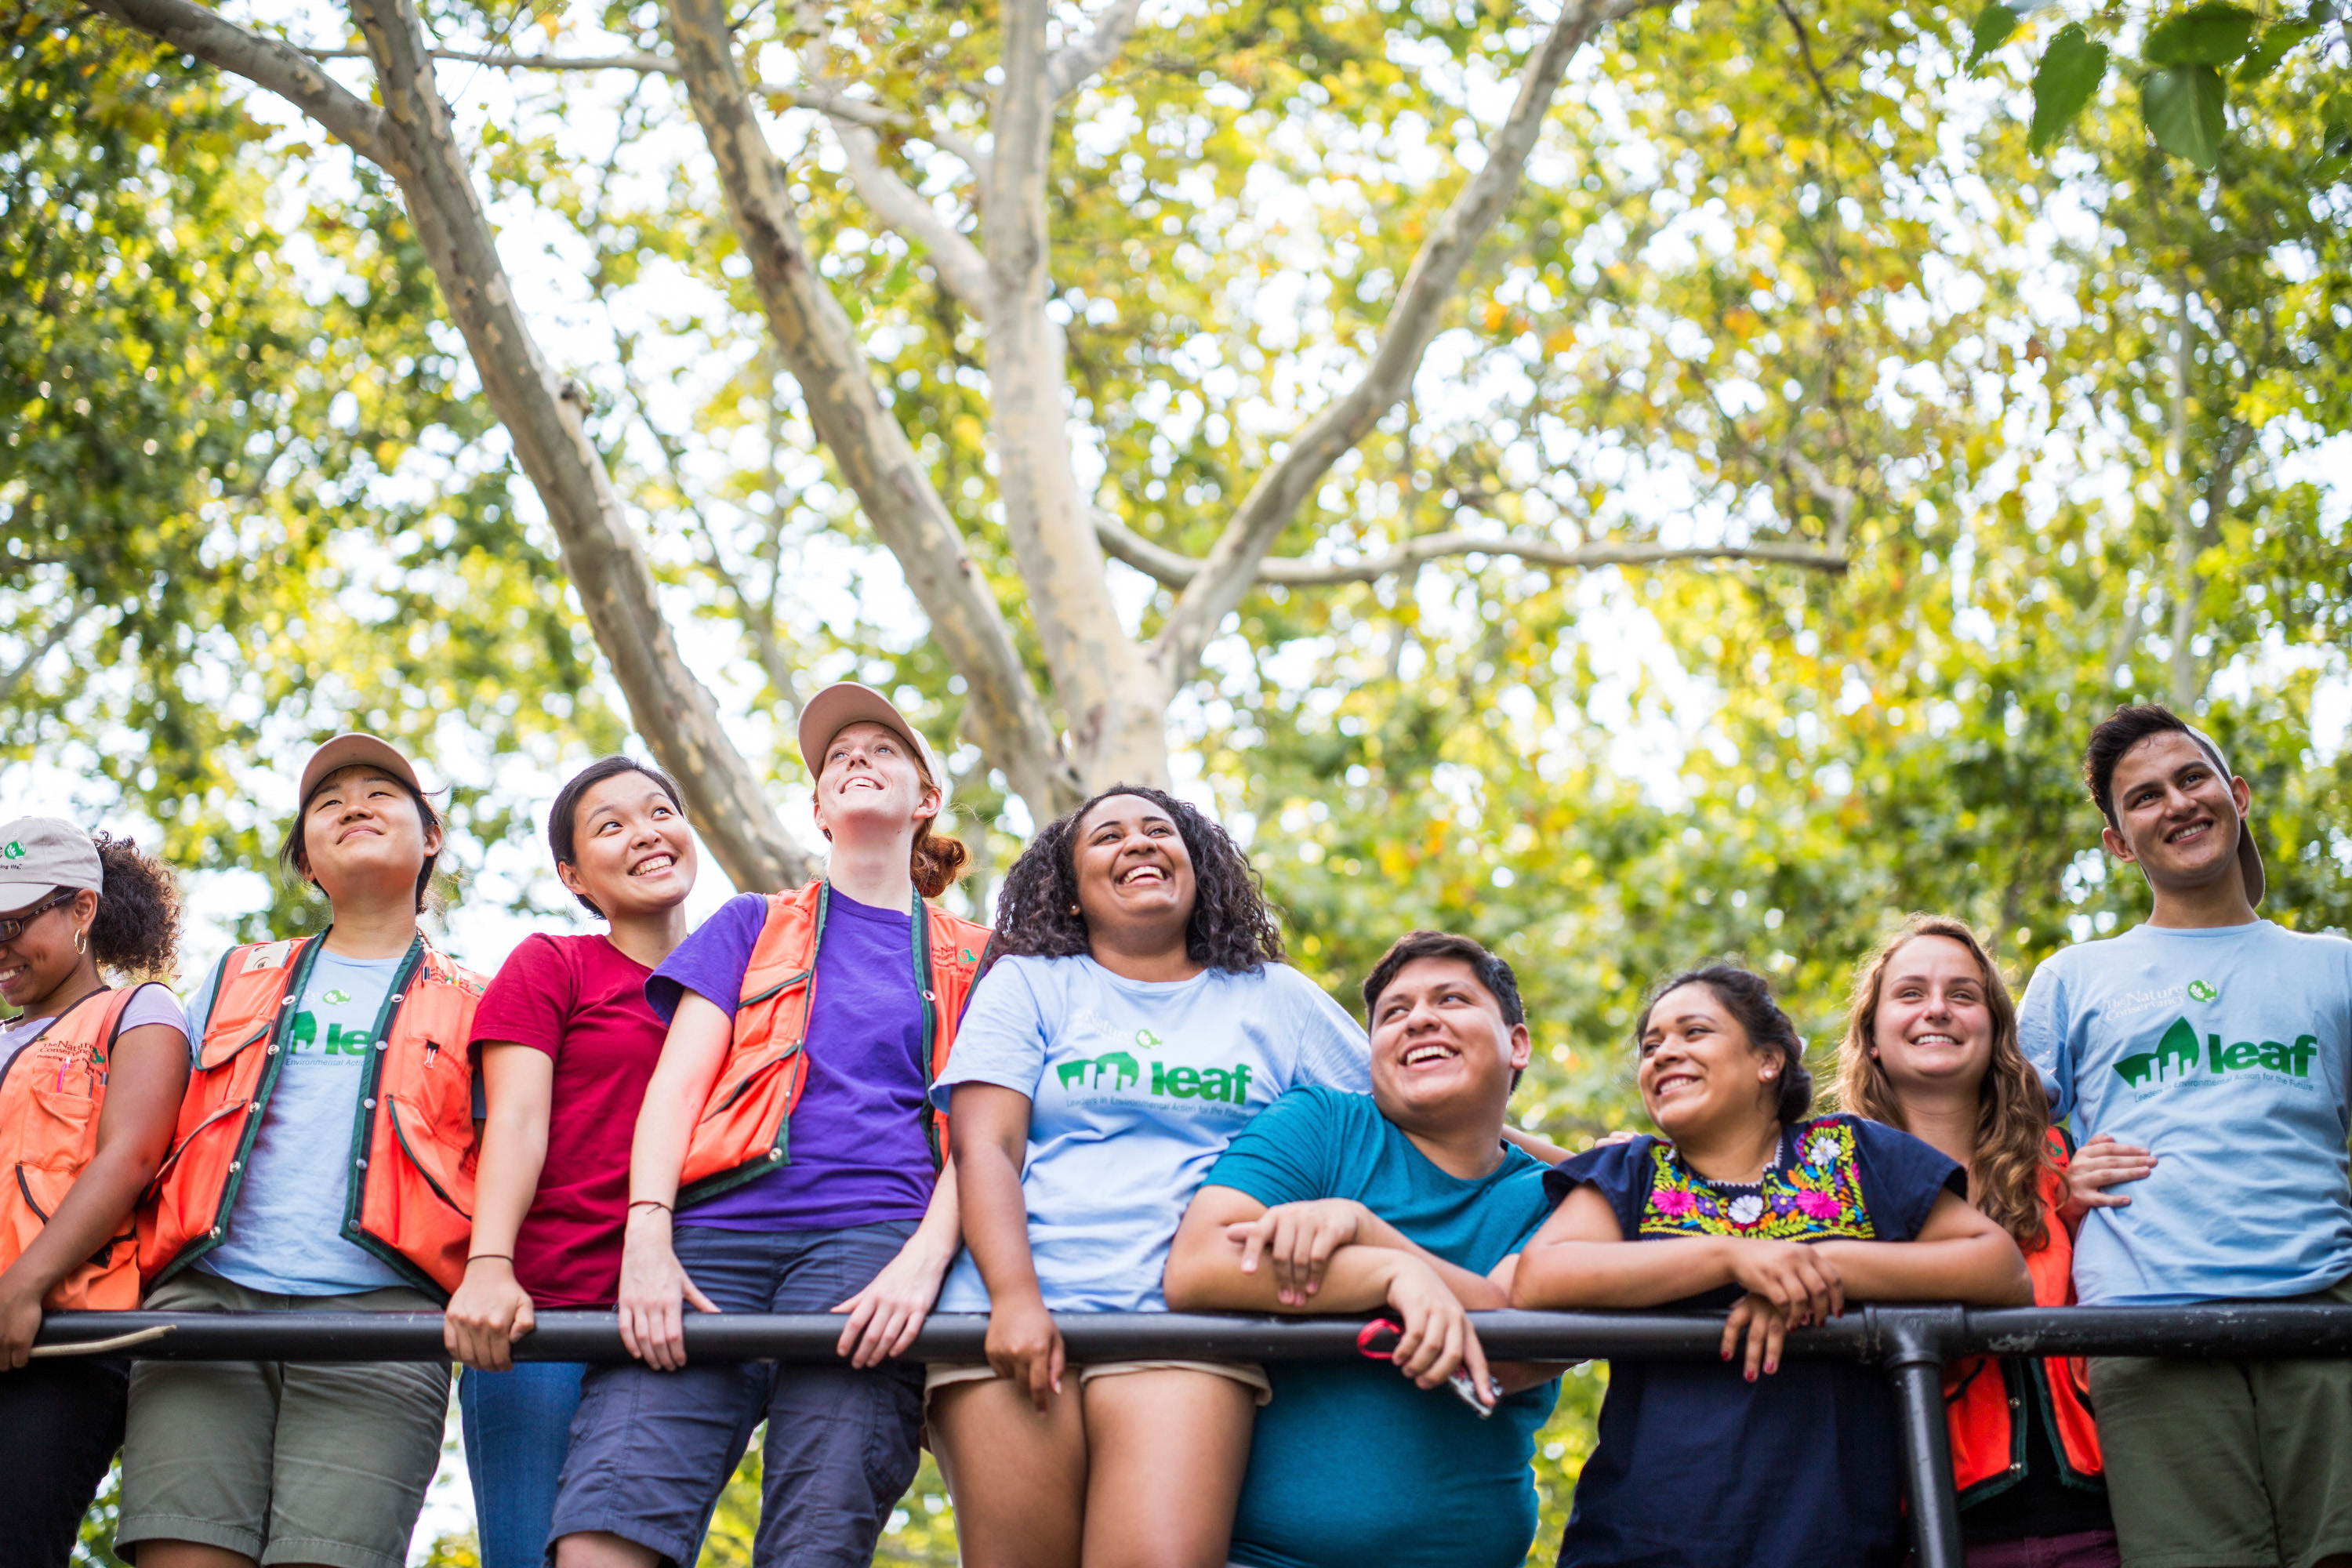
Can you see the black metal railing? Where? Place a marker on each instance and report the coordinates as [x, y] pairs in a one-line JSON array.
[[1912, 1342]]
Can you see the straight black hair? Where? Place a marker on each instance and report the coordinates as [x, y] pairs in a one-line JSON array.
[[1747, 997], [2118, 732], [1492, 972], [563, 816], [294, 855]]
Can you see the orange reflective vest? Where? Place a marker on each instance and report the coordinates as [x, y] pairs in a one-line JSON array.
[[413, 1145], [51, 1092], [745, 1128], [1988, 1399]]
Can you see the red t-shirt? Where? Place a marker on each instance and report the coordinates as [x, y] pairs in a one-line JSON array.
[[583, 1001]]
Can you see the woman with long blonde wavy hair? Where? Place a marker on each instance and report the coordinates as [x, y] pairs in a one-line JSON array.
[[1931, 1048]]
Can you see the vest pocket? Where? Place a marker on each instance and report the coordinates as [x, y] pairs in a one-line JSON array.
[[417, 1151]]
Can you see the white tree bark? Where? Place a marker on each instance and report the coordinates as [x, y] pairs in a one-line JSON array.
[[409, 139]]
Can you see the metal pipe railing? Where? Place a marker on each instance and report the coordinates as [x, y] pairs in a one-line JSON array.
[[1912, 1342]]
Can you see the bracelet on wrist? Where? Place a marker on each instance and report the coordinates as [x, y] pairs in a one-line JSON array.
[[491, 1257], [651, 1204]]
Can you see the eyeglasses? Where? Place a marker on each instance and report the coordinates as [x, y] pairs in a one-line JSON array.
[[10, 928]]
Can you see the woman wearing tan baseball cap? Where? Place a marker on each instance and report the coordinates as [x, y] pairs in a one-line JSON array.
[[90, 1078], [786, 1161], [323, 1161]]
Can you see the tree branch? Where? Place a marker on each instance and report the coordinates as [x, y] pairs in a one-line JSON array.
[[270, 63], [510, 59], [1175, 571], [62, 627], [1069, 67], [1413, 322], [813, 338]]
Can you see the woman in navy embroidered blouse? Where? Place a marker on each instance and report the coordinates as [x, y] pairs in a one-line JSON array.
[[1750, 1203]]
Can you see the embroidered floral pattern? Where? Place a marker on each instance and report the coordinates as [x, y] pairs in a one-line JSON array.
[[1814, 1194]]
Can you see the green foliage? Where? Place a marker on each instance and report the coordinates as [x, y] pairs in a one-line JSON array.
[[2070, 73]]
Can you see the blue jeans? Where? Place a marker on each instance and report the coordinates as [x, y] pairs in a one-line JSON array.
[[650, 1451], [518, 1428]]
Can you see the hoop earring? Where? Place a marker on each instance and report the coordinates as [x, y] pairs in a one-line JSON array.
[[81, 940]]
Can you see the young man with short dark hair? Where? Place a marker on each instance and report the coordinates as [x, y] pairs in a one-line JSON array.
[[1410, 1200], [2206, 1055]]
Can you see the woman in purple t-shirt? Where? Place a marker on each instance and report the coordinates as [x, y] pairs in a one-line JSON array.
[[855, 1222], [565, 1045]]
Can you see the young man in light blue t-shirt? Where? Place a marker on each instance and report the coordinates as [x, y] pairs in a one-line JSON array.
[[2206, 1058]]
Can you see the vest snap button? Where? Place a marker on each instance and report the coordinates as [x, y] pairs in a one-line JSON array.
[[237, 1164], [774, 1155], [380, 1045], [362, 1165], [370, 1105], [216, 1230]]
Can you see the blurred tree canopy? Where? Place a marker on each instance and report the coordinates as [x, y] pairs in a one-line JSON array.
[[2070, 402]]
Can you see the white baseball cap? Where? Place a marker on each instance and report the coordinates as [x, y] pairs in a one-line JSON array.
[[40, 855], [352, 747]]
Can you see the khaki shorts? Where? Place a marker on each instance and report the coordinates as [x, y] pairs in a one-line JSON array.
[[282, 1461], [1247, 1373], [2243, 1463]]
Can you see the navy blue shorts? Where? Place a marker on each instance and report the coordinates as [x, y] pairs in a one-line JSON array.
[[651, 1450]]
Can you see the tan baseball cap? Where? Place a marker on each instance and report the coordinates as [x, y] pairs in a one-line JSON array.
[[2250, 859], [40, 855], [844, 703], [345, 749]]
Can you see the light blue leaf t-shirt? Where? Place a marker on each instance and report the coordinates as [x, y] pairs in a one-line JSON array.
[[2228, 1053], [1136, 1086], [286, 1226]]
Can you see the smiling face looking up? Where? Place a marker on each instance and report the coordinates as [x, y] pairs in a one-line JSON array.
[[2176, 815], [1135, 876], [1699, 1073], [363, 836], [632, 853], [869, 780], [40, 961], [1442, 1051]]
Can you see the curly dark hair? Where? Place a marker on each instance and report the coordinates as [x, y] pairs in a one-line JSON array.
[[136, 931], [1747, 997], [1231, 927]]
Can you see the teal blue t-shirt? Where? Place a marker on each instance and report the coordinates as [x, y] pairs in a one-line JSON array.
[[1350, 1464], [286, 1228]]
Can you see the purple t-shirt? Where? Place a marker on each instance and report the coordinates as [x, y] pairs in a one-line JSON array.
[[859, 1153]]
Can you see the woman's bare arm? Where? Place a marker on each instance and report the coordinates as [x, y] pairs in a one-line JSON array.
[[1959, 1255]]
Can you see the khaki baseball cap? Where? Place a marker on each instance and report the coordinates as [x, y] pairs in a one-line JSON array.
[[2250, 859], [345, 749], [844, 703], [40, 855]]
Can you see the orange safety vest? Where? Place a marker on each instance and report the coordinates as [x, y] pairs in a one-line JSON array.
[[1988, 1399], [745, 1128], [412, 1144], [51, 1092]]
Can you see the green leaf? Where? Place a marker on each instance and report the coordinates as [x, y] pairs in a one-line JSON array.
[[2070, 73], [2272, 47], [2182, 105], [2209, 34], [1994, 25]]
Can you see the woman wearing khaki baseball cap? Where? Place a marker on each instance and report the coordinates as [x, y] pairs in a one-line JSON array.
[[323, 1161], [785, 1162], [90, 1079]]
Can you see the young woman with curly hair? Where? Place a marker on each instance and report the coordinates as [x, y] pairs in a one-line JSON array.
[[90, 1079], [1139, 1015], [1750, 1201], [1931, 1048]]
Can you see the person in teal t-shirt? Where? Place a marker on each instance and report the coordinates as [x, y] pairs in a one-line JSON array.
[[1413, 1202]]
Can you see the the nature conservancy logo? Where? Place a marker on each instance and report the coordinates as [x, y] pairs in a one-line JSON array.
[[2179, 1053], [2200, 992], [1147, 1039], [336, 998], [12, 850]]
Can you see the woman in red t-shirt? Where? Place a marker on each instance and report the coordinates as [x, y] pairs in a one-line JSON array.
[[565, 1043]]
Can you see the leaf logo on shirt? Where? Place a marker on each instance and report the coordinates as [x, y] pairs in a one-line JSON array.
[[2200, 992], [336, 998], [1147, 1039]]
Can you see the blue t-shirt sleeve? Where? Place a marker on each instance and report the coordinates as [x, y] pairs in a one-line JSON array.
[[1002, 1039], [1902, 1177], [1620, 1173], [2041, 1036], [1332, 1050], [200, 1006], [710, 963], [1287, 1153]]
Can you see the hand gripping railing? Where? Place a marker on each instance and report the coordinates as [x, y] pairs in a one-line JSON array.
[[1912, 1342]]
